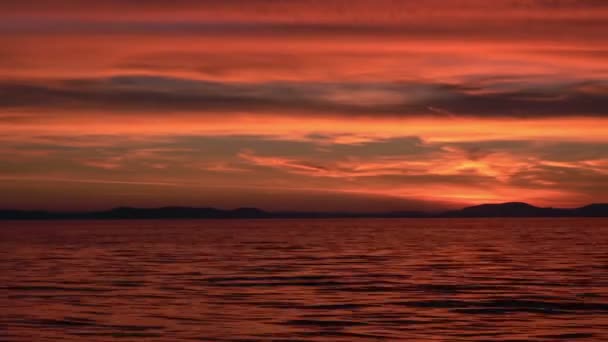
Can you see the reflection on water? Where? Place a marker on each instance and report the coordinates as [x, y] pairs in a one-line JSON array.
[[305, 280]]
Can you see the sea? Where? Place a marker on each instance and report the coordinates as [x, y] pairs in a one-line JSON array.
[[305, 280]]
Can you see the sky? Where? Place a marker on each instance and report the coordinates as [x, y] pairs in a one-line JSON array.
[[357, 105]]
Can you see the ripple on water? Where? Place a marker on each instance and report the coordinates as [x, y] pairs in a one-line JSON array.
[[320, 280]]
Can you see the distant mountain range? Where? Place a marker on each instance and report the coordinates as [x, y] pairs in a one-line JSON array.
[[519, 209], [512, 209]]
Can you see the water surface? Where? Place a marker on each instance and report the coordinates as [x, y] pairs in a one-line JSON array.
[[305, 280]]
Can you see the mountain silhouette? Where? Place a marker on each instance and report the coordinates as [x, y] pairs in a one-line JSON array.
[[593, 210], [511, 209], [180, 212], [520, 209]]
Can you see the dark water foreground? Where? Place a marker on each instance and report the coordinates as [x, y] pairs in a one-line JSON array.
[[305, 280]]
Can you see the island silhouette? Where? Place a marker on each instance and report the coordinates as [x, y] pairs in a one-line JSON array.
[[510, 209]]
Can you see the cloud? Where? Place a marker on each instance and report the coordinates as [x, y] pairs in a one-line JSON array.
[[146, 94], [526, 28], [408, 167], [463, 100], [305, 10], [436, 160]]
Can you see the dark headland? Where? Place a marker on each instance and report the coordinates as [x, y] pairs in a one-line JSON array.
[[511, 209]]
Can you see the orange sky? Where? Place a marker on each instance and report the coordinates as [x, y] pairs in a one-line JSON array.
[[304, 104]]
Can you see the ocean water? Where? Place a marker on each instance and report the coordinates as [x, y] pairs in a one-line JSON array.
[[305, 280]]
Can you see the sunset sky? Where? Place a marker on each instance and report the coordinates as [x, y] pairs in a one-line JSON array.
[[370, 105]]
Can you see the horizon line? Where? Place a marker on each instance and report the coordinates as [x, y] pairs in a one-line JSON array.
[[490, 210]]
